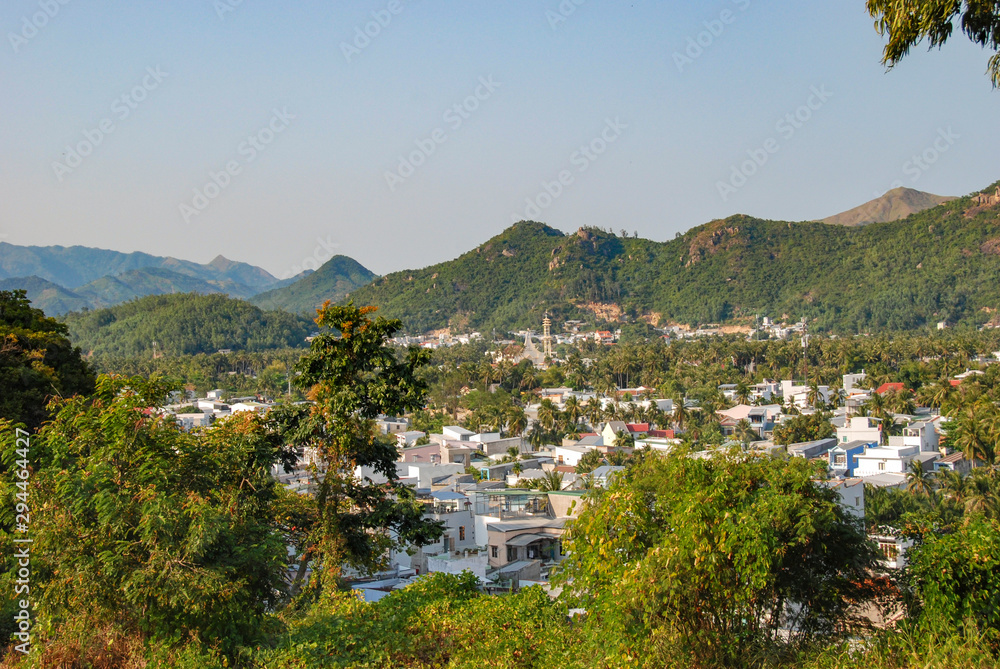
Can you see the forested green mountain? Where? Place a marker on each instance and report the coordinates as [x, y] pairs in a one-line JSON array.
[[184, 324], [338, 277], [940, 264]]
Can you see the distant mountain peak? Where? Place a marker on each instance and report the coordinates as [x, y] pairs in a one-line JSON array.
[[894, 205], [221, 263]]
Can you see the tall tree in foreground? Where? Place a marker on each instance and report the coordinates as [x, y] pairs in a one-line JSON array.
[[908, 22], [705, 559], [139, 526], [354, 375], [37, 361]]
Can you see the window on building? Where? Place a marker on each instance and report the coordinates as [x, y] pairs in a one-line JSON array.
[[511, 553], [881, 466], [461, 533], [840, 459], [494, 551], [889, 549]]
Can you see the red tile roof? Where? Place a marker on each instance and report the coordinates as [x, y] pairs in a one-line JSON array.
[[886, 387], [637, 427]]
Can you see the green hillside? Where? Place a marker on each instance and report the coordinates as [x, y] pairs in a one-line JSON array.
[[184, 324], [338, 277], [940, 264], [50, 297]]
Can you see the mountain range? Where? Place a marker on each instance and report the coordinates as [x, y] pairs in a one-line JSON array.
[[861, 273], [941, 264], [61, 279]]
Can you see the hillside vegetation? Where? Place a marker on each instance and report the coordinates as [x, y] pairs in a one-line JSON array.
[[336, 279], [942, 264], [184, 324]]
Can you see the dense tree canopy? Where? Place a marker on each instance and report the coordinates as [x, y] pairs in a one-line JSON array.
[[138, 524], [37, 361], [714, 555], [185, 323]]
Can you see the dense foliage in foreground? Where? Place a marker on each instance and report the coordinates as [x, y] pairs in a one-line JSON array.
[[752, 535]]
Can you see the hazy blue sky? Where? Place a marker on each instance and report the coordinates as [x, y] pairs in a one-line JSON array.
[[183, 85]]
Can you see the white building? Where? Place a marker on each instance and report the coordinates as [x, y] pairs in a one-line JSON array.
[[851, 492], [861, 428], [248, 406], [885, 460], [798, 393], [454, 510], [189, 421], [922, 434], [852, 382], [570, 455]]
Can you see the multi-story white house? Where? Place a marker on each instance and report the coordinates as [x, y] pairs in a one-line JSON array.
[[885, 460], [860, 428], [797, 392]]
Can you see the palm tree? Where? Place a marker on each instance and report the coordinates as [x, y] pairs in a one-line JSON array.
[[680, 413], [745, 432], [593, 411], [969, 432], [935, 395], [552, 481], [919, 481], [572, 409], [547, 414], [814, 396], [742, 392], [981, 495], [901, 401], [537, 436], [952, 485], [517, 420]]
